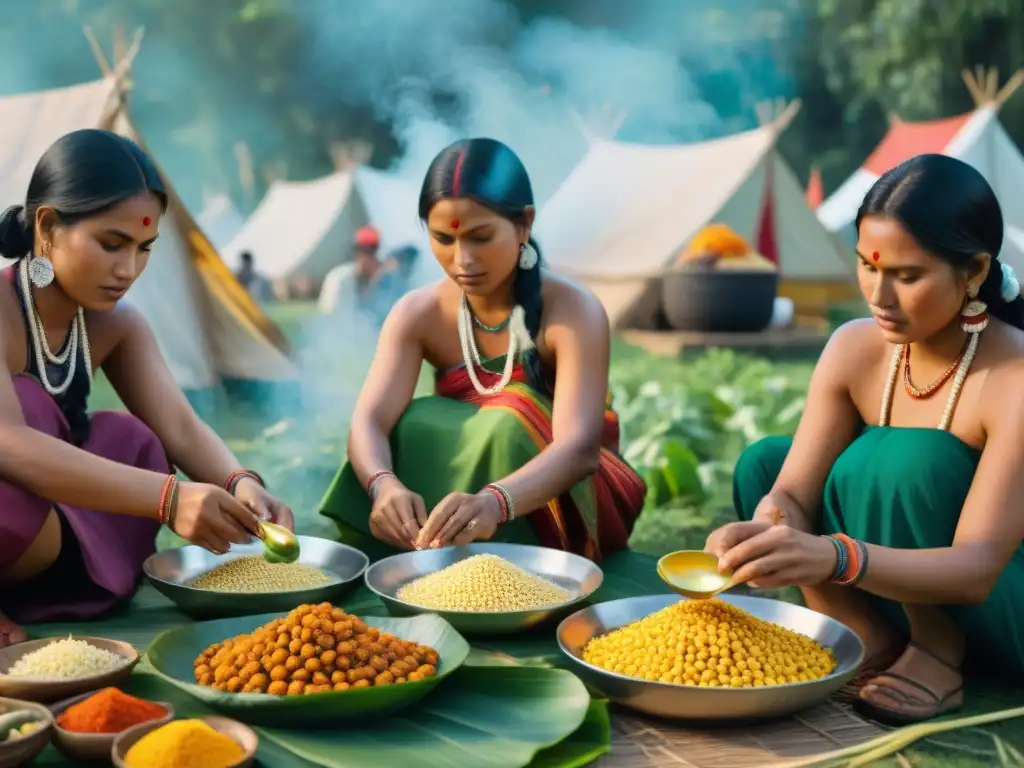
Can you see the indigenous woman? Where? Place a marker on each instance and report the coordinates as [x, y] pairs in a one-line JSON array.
[[898, 501], [519, 443], [84, 496]]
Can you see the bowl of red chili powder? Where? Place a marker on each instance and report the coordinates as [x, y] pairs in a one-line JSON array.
[[87, 725]]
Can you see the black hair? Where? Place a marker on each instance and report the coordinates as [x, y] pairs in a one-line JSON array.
[[246, 257], [949, 208], [491, 174], [83, 174]]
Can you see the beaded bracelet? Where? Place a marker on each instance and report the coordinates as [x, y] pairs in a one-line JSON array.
[[166, 497], [502, 504], [239, 474], [510, 505], [854, 560], [375, 478]]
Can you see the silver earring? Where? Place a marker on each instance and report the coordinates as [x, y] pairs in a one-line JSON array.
[[40, 271], [528, 256]]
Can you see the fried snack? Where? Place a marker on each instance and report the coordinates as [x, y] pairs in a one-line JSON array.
[[710, 643], [314, 649]]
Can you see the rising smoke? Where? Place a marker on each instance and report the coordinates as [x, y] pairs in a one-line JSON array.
[[530, 85]]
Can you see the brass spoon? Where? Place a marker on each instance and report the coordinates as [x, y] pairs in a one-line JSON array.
[[279, 544], [694, 574]]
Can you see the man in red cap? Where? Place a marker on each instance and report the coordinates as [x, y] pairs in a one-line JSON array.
[[367, 244]]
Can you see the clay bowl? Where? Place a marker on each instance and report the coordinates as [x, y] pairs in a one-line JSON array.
[[91, 746], [240, 732], [45, 690], [25, 748]]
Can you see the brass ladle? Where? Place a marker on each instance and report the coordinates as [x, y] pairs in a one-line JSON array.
[[279, 544], [694, 574]]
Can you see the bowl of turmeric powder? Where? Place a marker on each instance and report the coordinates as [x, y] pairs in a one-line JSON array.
[[87, 725], [202, 742]]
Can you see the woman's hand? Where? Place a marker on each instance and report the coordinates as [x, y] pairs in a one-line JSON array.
[[778, 510], [766, 555], [461, 518], [212, 518], [266, 507], [398, 514]]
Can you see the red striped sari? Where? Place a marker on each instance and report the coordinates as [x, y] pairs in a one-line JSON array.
[[596, 516]]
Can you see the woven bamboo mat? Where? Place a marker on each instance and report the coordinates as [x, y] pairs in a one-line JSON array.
[[643, 742]]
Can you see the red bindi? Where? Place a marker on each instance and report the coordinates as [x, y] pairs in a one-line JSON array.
[[874, 255], [455, 224], [146, 221]]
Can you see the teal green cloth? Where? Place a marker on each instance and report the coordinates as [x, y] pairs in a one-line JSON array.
[[903, 488]]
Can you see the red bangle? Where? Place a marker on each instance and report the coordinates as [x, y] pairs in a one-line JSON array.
[[167, 496], [376, 477], [502, 502], [238, 474]]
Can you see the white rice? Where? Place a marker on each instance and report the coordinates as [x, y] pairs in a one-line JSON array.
[[65, 660]]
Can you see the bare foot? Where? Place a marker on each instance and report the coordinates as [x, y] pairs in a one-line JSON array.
[[919, 686], [10, 633]]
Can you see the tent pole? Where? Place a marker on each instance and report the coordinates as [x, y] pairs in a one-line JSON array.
[[97, 52], [1008, 89], [973, 87]]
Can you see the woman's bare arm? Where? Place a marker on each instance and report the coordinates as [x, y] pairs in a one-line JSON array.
[[828, 425], [142, 379], [388, 388], [577, 333], [64, 474], [991, 525]]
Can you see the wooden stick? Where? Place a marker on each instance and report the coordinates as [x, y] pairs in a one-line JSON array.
[[992, 85], [119, 44], [97, 52], [125, 64], [1011, 85], [972, 87]]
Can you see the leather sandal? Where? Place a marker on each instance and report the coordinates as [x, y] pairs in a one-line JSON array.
[[926, 709], [872, 669]]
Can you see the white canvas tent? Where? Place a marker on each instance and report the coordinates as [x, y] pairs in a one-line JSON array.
[[219, 219], [207, 326], [306, 228], [975, 137], [628, 210]]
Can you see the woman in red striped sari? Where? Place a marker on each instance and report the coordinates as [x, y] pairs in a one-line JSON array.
[[519, 442]]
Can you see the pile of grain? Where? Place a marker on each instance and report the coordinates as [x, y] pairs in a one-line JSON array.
[[253, 574], [483, 583], [66, 659], [711, 644], [314, 649]]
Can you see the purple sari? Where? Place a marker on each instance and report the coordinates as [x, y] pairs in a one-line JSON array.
[[101, 553]]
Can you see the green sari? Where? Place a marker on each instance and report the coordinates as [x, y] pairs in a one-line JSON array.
[[459, 440], [904, 487]]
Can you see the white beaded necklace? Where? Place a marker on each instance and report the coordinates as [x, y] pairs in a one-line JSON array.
[[471, 354], [954, 392], [76, 335]]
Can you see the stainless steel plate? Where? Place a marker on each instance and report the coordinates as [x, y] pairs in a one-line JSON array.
[[577, 574], [169, 571], [695, 703]]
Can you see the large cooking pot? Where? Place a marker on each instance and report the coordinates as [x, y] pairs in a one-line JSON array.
[[712, 301]]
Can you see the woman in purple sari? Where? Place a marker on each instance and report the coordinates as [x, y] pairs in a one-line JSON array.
[[82, 497]]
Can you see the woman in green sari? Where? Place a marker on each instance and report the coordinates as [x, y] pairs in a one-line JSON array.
[[914, 476], [518, 443]]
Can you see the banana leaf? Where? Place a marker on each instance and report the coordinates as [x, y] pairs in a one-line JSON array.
[[485, 717], [172, 655]]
